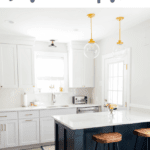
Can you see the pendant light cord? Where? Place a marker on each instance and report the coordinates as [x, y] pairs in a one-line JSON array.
[[91, 28], [120, 30]]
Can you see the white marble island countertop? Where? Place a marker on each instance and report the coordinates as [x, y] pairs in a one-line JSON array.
[[102, 119]]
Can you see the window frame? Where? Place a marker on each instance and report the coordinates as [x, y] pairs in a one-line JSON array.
[[54, 54]]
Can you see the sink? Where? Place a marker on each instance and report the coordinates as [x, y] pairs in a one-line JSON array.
[[51, 106]]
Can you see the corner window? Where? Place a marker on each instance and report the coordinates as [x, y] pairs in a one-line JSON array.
[[51, 72]]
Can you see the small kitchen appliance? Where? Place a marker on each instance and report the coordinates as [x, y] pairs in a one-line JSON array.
[[79, 100]]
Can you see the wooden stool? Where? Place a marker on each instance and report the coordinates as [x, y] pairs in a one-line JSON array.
[[143, 132], [107, 138]]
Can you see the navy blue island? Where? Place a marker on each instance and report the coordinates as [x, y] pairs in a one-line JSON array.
[[74, 132]]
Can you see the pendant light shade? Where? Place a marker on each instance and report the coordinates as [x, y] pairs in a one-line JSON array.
[[119, 50], [91, 49]]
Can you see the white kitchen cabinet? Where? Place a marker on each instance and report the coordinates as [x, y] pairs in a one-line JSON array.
[[2, 135], [81, 70], [28, 131], [47, 130], [88, 72], [25, 66], [8, 66], [9, 134]]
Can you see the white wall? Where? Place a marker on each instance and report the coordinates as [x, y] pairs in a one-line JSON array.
[[138, 38]]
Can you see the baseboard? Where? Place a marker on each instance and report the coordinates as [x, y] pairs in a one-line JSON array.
[[29, 146]]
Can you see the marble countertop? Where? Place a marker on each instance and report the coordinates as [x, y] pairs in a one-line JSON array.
[[47, 107], [102, 119]]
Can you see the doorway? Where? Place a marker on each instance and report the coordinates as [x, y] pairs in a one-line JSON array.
[[116, 81]]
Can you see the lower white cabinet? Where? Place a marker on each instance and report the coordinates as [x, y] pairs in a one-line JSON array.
[[28, 131], [47, 130], [8, 133]]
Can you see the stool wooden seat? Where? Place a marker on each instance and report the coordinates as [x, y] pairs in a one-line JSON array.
[[143, 132], [106, 138]]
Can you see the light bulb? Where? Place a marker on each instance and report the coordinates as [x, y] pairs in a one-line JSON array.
[[91, 50], [119, 51]]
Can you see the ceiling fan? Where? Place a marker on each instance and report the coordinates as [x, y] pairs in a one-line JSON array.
[[52, 44]]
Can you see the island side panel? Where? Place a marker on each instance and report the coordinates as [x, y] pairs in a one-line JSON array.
[[67, 139]]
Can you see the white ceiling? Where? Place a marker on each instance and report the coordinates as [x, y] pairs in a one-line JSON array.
[[61, 24]]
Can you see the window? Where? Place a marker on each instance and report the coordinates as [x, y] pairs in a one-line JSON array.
[[115, 83], [51, 71]]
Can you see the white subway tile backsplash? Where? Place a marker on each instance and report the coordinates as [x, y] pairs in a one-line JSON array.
[[10, 98]]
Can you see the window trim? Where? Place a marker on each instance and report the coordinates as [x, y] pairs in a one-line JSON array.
[[55, 54]]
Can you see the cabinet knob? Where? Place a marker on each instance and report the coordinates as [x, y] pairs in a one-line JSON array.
[[33, 86]]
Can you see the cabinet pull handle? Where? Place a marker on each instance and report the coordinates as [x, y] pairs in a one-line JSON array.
[[28, 114], [29, 120], [3, 116], [1, 127], [4, 127]]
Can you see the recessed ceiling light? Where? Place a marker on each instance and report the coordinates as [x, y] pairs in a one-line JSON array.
[[76, 30], [9, 21]]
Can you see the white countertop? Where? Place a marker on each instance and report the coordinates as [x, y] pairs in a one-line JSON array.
[[46, 107], [102, 119]]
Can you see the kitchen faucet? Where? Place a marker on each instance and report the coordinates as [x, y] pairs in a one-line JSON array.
[[53, 98]]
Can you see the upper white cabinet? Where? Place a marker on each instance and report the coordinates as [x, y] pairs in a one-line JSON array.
[[81, 70], [25, 66], [15, 72], [8, 66]]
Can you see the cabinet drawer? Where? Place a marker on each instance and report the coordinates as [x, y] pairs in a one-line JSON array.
[[8, 116], [28, 114], [49, 113]]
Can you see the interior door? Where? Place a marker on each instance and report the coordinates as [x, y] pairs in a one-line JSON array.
[[11, 133], [8, 66], [115, 82]]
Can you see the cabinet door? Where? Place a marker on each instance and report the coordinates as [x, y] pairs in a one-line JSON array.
[[47, 130], [88, 72], [77, 69], [25, 66], [8, 66], [2, 135], [28, 131], [11, 133]]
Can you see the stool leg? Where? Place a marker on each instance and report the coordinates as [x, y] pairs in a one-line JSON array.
[[147, 143], [117, 146], [136, 142], [96, 146], [108, 146]]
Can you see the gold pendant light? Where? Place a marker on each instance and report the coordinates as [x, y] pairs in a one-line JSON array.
[[119, 50], [91, 49]]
